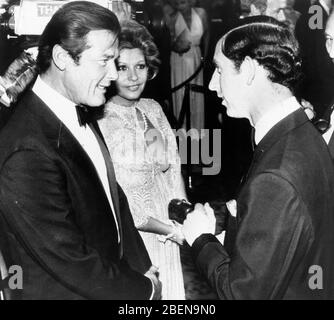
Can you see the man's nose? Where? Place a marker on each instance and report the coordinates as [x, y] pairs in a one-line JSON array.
[[112, 71], [214, 82]]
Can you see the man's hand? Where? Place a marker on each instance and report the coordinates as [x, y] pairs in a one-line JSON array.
[[122, 10], [153, 275], [201, 221]]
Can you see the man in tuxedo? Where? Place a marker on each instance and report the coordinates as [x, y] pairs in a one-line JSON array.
[[283, 244], [318, 82], [67, 222]]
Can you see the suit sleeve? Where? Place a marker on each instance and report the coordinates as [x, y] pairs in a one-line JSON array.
[[273, 235], [36, 204]]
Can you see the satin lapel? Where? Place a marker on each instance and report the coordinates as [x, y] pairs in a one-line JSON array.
[[112, 180], [331, 146], [69, 148]]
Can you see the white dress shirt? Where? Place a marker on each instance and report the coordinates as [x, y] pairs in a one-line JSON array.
[[274, 116], [327, 135], [65, 110]]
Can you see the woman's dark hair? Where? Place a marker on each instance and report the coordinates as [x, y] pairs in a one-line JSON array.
[[269, 42], [69, 27], [135, 36]]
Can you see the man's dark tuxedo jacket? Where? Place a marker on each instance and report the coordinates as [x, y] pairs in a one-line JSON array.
[[331, 145], [285, 221], [57, 219]]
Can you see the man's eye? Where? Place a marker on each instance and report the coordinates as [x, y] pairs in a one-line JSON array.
[[103, 62], [218, 70]]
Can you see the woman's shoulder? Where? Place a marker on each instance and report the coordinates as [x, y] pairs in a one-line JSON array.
[[150, 106]]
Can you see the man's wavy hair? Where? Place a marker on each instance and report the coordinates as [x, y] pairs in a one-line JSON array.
[[69, 27], [135, 36], [269, 42]]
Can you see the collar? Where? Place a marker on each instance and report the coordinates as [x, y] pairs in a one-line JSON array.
[[328, 135], [325, 6], [275, 115], [62, 107]]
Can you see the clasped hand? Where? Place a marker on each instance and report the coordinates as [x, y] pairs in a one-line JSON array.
[[201, 221], [153, 275]]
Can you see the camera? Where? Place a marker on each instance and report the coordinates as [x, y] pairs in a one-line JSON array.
[[29, 17]]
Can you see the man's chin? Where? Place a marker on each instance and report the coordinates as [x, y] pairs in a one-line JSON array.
[[95, 103]]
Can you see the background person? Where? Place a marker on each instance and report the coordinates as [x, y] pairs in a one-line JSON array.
[[189, 29]]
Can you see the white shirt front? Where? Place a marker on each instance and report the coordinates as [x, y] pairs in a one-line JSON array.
[[65, 110], [327, 135], [274, 116]]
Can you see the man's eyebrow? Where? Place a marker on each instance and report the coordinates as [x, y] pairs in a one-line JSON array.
[[108, 56], [328, 35]]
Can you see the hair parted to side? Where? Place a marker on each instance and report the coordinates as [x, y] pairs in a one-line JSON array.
[[69, 27], [135, 36], [269, 42]]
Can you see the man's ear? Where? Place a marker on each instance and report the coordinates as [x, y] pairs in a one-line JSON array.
[[249, 69], [59, 57]]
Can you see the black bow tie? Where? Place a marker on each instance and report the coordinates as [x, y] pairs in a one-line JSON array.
[[83, 115]]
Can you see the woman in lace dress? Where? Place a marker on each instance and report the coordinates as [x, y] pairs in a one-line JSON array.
[[144, 152]]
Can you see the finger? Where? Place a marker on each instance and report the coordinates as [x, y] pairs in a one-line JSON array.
[[154, 269], [127, 8], [199, 207], [209, 212], [119, 6]]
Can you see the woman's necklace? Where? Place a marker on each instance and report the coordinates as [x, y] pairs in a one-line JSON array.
[[143, 115]]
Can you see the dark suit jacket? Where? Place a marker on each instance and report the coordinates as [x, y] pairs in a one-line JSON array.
[[318, 68], [331, 146], [285, 221], [58, 220]]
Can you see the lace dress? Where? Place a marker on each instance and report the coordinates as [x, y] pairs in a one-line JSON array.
[[147, 185]]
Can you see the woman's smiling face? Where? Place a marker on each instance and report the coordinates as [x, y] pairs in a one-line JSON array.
[[132, 75]]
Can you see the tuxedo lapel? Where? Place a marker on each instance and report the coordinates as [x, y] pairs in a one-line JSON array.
[[331, 146], [111, 174], [74, 155]]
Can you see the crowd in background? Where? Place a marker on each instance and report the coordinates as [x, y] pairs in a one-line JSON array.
[[307, 19]]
